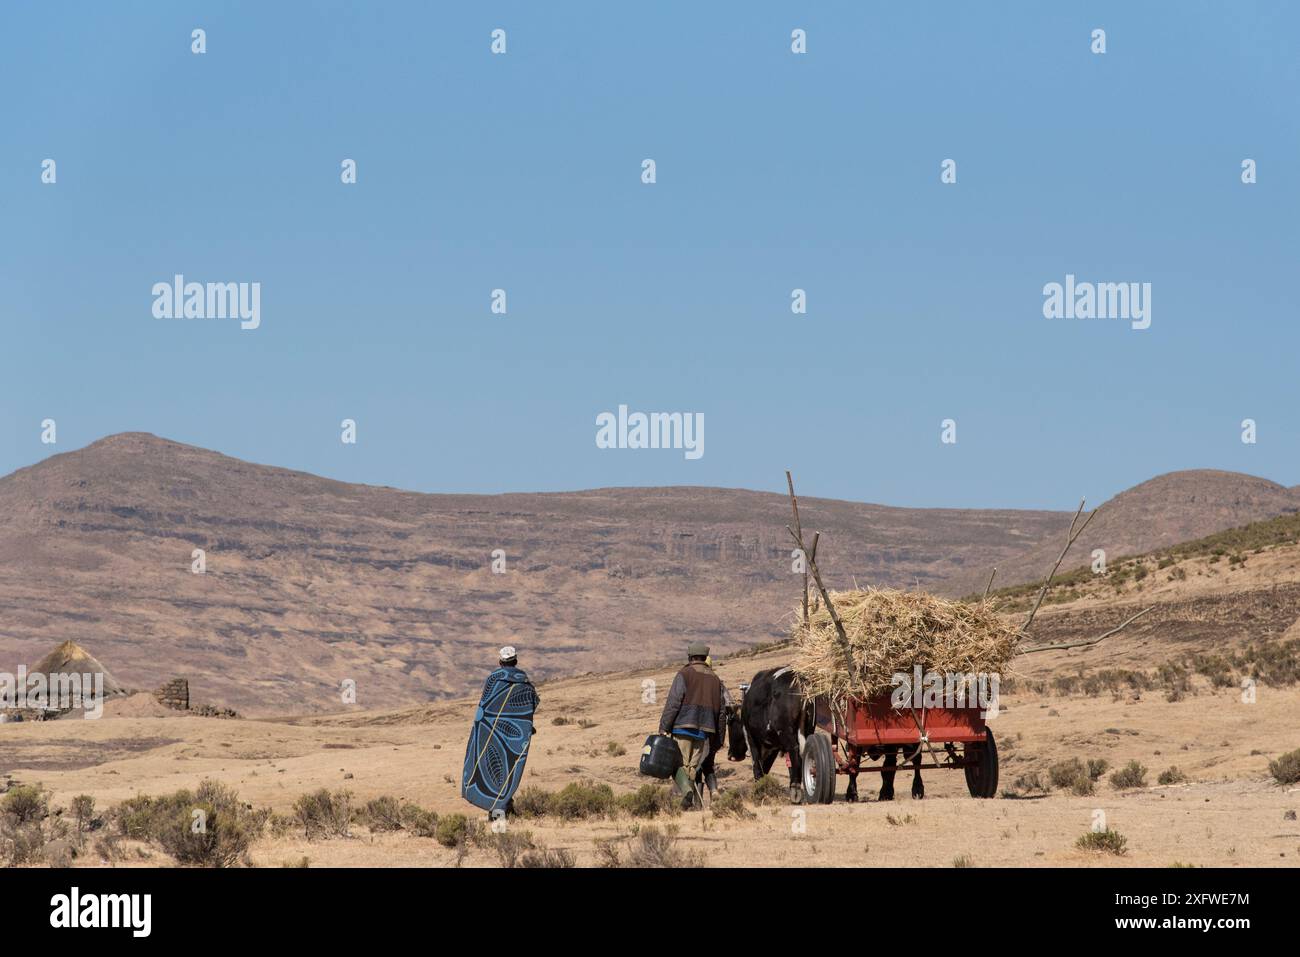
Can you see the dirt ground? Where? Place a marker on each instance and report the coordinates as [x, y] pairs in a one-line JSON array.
[[1228, 813]]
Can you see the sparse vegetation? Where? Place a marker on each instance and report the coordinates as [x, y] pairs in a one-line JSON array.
[[769, 790], [1171, 776], [322, 814], [1286, 769], [209, 827], [26, 804], [383, 814], [1132, 775], [731, 803], [653, 847], [1073, 775], [649, 800], [1108, 841], [452, 830]]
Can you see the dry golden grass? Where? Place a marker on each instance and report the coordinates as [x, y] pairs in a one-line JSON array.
[[891, 632]]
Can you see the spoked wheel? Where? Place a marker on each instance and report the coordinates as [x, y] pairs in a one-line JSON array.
[[982, 767], [818, 770]]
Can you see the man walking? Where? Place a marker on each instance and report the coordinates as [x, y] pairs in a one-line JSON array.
[[498, 741], [693, 716]]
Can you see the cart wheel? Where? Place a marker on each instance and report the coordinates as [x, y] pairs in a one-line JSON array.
[[818, 770], [982, 775]]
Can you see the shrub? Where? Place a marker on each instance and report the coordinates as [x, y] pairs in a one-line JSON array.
[[1286, 769], [83, 810], [582, 799], [1108, 841], [649, 800], [547, 857], [1132, 775], [962, 860], [26, 804], [1096, 768], [653, 847], [768, 790], [453, 830], [732, 804], [20, 843], [510, 846], [1072, 775], [209, 827], [323, 814], [1171, 776], [532, 801], [383, 814], [615, 749], [1029, 782], [219, 835], [417, 820]]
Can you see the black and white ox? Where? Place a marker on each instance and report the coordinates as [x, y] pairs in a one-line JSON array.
[[775, 718]]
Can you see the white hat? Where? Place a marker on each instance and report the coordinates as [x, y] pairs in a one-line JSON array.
[[508, 652]]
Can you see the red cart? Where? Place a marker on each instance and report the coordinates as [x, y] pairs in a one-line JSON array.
[[950, 738]]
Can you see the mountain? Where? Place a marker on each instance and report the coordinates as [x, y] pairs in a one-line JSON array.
[[311, 583], [1163, 511]]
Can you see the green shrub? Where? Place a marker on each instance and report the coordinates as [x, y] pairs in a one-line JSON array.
[[216, 830], [731, 803], [21, 844], [83, 811], [383, 814], [1286, 769], [1132, 775], [649, 800], [452, 830], [582, 799], [532, 801], [1108, 841], [417, 820], [769, 790], [1171, 776], [26, 804], [208, 827], [1071, 775], [323, 814]]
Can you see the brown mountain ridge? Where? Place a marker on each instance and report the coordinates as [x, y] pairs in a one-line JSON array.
[[311, 582]]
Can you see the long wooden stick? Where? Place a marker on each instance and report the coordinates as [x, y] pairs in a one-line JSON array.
[[817, 577], [1091, 641], [990, 584], [1042, 592]]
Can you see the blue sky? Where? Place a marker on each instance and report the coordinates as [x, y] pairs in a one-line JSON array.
[[775, 172]]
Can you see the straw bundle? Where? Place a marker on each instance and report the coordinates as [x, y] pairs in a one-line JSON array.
[[893, 631]]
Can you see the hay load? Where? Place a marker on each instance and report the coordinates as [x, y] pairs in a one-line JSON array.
[[894, 631]]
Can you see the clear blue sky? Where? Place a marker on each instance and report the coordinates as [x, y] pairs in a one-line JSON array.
[[775, 171]]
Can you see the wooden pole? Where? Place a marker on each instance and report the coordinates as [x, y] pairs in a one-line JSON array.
[[821, 587], [1070, 537]]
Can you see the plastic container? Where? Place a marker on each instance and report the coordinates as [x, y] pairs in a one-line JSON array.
[[660, 757]]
